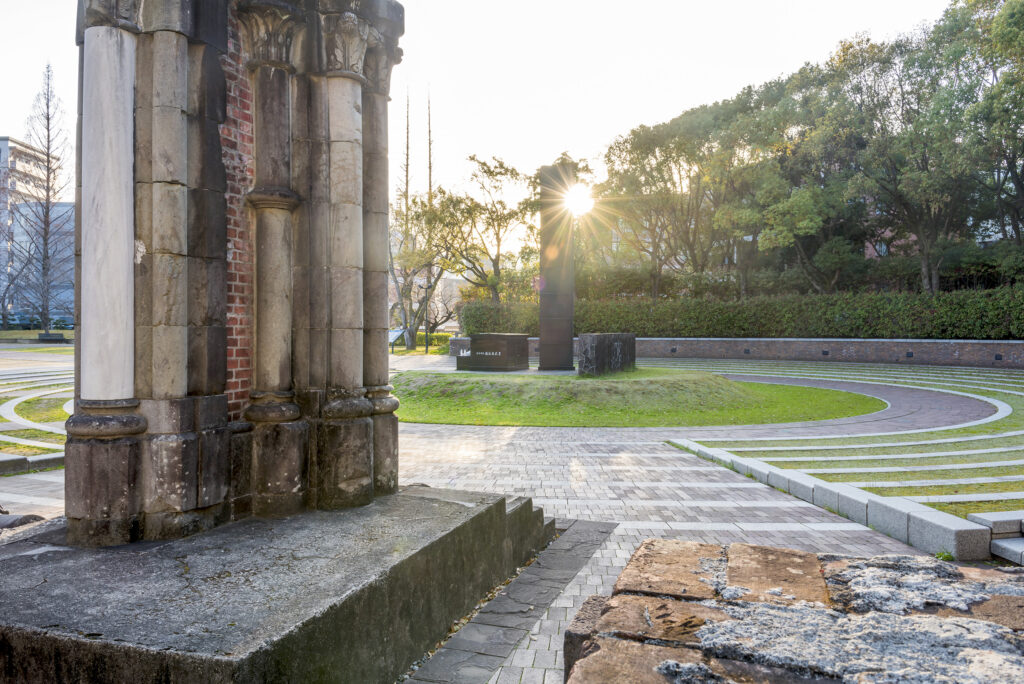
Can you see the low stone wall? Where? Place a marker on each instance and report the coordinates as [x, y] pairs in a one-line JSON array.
[[984, 353]]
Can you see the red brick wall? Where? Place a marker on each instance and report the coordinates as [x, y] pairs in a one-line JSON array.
[[237, 141]]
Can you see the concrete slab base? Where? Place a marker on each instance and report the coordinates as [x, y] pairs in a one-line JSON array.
[[346, 596]]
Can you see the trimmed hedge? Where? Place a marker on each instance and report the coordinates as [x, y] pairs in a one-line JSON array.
[[436, 339], [996, 314]]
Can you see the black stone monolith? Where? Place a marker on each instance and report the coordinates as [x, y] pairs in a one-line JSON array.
[[556, 269]]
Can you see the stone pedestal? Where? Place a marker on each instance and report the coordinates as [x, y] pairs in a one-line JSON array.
[[347, 596]]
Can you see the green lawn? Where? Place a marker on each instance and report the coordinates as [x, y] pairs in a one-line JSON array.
[[31, 334], [950, 490], [963, 509], [645, 398], [24, 450], [434, 351], [37, 435], [998, 471], [67, 349], [43, 410], [889, 462]]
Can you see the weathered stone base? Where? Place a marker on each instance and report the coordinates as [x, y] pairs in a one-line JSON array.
[[344, 464], [279, 467], [346, 596], [385, 453]]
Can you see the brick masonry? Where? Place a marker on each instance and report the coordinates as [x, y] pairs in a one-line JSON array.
[[982, 353], [237, 141]]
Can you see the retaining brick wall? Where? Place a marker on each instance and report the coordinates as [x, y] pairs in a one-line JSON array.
[[984, 353], [237, 141]]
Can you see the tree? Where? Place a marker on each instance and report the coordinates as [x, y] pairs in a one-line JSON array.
[[910, 102], [44, 231], [644, 197], [478, 228], [416, 253]]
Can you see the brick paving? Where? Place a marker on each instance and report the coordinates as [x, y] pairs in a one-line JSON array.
[[622, 476]]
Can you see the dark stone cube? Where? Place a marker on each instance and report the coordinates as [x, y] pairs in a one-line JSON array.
[[607, 353]]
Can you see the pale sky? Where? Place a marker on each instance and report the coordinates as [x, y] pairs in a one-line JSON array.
[[528, 79]]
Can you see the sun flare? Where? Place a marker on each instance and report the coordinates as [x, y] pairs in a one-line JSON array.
[[578, 200]]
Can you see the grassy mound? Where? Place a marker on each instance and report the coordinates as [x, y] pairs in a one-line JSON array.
[[647, 397]]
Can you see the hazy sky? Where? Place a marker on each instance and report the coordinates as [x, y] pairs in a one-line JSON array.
[[528, 79]]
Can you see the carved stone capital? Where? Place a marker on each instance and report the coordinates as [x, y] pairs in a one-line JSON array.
[[346, 39], [380, 60], [270, 31]]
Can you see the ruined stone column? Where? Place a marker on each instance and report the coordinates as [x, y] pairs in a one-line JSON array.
[[280, 438], [102, 453], [344, 468], [379, 62]]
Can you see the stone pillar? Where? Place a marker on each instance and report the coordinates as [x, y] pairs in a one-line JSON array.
[[556, 269], [379, 62], [272, 30], [102, 453], [344, 460]]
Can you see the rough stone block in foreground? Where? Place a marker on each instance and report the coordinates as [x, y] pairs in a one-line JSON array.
[[781, 615], [347, 596]]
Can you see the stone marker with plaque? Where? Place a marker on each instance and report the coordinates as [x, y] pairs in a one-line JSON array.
[[495, 352]]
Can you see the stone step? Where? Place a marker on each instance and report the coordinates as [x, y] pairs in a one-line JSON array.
[[526, 532], [1010, 549], [1004, 524]]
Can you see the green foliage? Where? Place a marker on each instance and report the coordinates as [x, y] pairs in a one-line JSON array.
[[965, 314], [436, 339]]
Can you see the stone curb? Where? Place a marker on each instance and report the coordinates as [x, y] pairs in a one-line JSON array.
[[20, 465], [910, 522]]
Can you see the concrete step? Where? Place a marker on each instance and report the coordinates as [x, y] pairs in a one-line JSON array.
[[526, 532], [1010, 549], [1004, 524]]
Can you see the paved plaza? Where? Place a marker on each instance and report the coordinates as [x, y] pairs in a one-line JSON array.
[[634, 479]]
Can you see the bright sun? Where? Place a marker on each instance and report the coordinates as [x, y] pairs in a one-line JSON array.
[[578, 200]]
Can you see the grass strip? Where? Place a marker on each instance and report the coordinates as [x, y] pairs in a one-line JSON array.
[[647, 397], [43, 410], [38, 435], [11, 449], [946, 490], [895, 462], [967, 507], [923, 475]]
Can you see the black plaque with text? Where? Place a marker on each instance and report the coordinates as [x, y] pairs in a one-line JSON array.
[[495, 352]]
